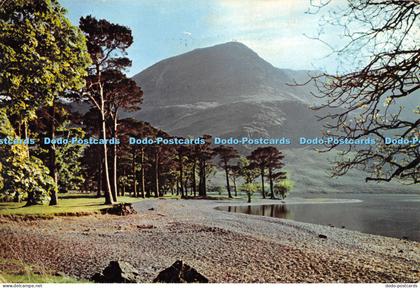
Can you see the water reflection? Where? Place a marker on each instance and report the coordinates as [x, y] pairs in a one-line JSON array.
[[279, 211], [388, 215]]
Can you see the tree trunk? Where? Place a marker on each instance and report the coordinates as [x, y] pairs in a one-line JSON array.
[[100, 176], [227, 180], [181, 175], [52, 164], [270, 176], [26, 134], [262, 183], [142, 180], [234, 186], [202, 184], [194, 184], [156, 173], [123, 183], [133, 163], [115, 191], [108, 193]]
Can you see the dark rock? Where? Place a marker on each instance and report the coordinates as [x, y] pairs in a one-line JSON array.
[[322, 236], [404, 238], [145, 226], [60, 274], [98, 278], [117, 272], [151, 209], [400, 251], [343, 227], [121, 209], [180, 273]]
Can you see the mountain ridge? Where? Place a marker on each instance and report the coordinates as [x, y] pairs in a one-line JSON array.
[[228, 90], [222, 73]]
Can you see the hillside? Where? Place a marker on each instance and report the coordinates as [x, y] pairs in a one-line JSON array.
[[228, 90]]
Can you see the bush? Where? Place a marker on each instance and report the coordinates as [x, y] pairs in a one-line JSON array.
[[249, 189], [22, 176], [283, 187], [28, 178]]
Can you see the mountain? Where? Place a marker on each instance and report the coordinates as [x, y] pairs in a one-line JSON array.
[[228, 90], [220, 74], [197, 92]]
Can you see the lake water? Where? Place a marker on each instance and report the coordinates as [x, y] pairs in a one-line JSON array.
[[393, 215]]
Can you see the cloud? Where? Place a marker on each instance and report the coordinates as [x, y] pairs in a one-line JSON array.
[[297, 52], [275, 29], [260, 14], [187, 33]]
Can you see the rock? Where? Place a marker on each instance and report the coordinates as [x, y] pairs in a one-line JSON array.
[[121, 209], [180, 273], [404, 238], [151, 209], [322, 236], [60, 274], [145, 226], [98, 278], [117, 272]]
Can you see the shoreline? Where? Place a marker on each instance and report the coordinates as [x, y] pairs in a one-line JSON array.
[[289, 201], [224, 246]]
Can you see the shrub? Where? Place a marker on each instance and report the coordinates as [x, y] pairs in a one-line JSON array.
[[283, 187], [22, 176], [249, 189]]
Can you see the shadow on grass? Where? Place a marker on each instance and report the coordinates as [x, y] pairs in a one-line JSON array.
[[78, 196]]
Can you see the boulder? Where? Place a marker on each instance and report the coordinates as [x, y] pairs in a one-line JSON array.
[[322, 236], [180, 273], [121, 209], [117, 272]]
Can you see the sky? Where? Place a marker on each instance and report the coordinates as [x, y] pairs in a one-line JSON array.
[[278, 30]]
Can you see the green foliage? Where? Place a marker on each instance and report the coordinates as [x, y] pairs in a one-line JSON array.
[[42, 55], [249, 189], [69, 160], [283, 187], [28, 177], [247, 171], [22, 175]]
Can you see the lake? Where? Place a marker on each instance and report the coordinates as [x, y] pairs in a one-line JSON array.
[[393, 215]]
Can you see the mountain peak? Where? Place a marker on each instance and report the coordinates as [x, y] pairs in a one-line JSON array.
[[228, 45], [219, 73]]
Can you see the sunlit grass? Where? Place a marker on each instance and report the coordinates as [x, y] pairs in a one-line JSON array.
[[68, 204], [35, 278], [25, 273]]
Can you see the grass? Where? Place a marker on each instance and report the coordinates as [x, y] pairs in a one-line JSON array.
[[35, 278], [24, 273], [73, 204], [70, 204]]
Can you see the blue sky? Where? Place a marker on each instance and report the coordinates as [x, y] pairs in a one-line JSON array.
[[163, 28]]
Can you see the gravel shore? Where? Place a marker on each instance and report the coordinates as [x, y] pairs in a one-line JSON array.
[[225, 247]]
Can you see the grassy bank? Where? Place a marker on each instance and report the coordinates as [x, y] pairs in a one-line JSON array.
[[15, 271], [69, 204], [35, 278]]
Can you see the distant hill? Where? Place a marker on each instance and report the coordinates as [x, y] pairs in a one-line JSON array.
[[228, 90], [223, 73], [197, 92]]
